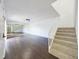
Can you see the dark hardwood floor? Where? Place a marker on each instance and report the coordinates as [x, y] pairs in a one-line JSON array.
[[27, 47]]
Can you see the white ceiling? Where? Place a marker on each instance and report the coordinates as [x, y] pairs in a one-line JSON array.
[[36, 10]]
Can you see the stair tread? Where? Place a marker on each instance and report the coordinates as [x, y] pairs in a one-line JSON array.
[[66, 50], [61, 55], [66, 43], [66, 38]]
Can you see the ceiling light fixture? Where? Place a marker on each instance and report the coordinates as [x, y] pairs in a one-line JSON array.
[[28, 20]]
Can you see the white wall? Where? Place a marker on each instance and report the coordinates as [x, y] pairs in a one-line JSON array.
[[1, 31], [66, 9], [41, 28]]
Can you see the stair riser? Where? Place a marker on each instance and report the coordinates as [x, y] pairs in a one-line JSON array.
[[70, 40], [66, 33], [64, 36], [71, 31], [66, 28], [61, 34]]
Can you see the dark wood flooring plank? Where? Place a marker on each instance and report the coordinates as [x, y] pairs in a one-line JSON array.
[[28, 47]]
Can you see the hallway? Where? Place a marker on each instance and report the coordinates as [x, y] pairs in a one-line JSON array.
[[27, 47]]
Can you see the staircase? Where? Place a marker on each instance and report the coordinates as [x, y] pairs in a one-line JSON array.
[[64, 45]]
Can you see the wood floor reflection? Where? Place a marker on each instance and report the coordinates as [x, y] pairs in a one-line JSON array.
[[27, 47]]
